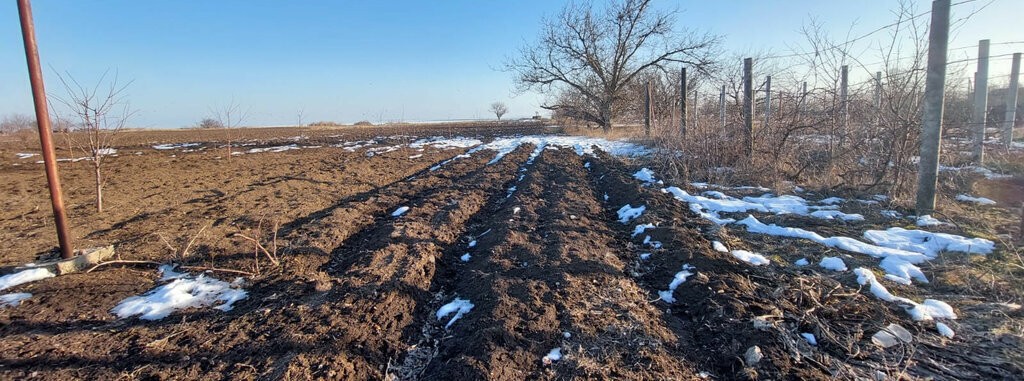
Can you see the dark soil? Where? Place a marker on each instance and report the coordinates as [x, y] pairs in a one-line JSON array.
[[357, 290]]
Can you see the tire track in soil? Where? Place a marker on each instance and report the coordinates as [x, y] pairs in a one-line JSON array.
[[380, 278], [715, 308], [546, 270]]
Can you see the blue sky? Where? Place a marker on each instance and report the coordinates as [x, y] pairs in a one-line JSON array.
[[383, 60]]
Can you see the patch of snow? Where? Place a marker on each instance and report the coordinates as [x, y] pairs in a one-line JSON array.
[[13, 299], [719, 247], [458, 306], [802, 262], [639, 229], [927, 310], [810, 338], [751, 258], [465, 257], [552, 356], [400, 211], [645, 256], [928, 243], [628, 213], [944, 329], [928, 220], [655, 244], [891, 214], [441, 142], [581, 145], [845, 243], [831, 201], [978, 200], [833, 263], [833, 214], [472, 243], [677, 280], [175, 146], [416, 156], [25, 155], [24, 276], [646, 175], [197, 292], [901, 269]]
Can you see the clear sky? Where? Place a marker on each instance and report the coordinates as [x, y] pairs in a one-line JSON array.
[[377, 60]]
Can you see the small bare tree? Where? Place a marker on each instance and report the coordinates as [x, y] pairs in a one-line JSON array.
[[209, 123], [230, 118], [102, 112], [499, 109]]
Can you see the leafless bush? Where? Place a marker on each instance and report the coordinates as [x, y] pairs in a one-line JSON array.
[[209, 123]]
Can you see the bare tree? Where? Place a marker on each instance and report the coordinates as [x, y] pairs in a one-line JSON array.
[[101, 112], [209, 123], [499, 109], [16, 122], [597, 55], [230, 118]]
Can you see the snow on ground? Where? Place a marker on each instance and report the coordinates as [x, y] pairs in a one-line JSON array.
[[845, 243], [639, 229], [802, 262], [646, 175], [677, 280], [718, 202], [751, 258], [928, 243], [458, 306], [978, 200], [270, 149], [900, 271], [106, 151], [928, 220], [944, 330], [465, 257], [24, 276], [13, 299], [175, 146], [552, 356], [928, 310], [441, 142], [810, 338], [719, 247], [400, 211], [582, 145], [181, 293], [833, 263], [628, 213], [25, 155]]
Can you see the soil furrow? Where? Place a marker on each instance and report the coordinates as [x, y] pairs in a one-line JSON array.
[[551, 271]]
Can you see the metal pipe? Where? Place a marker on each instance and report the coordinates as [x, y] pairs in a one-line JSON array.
[[35, 73]]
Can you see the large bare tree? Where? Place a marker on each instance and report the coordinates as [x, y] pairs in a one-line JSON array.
[[101, 111], [595, 54]]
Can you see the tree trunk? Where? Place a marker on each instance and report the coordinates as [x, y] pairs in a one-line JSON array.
[[99, 183]]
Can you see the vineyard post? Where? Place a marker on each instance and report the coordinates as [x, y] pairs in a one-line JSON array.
[[1011, 102], [682, 102], [980, 112], [721, 106], [803, 101], [844, 105], [931, 121], [767, 100], [878, 98], [647, 110], [748, 106]]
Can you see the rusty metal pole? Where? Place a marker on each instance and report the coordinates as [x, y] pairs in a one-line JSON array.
[[35, 73]]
